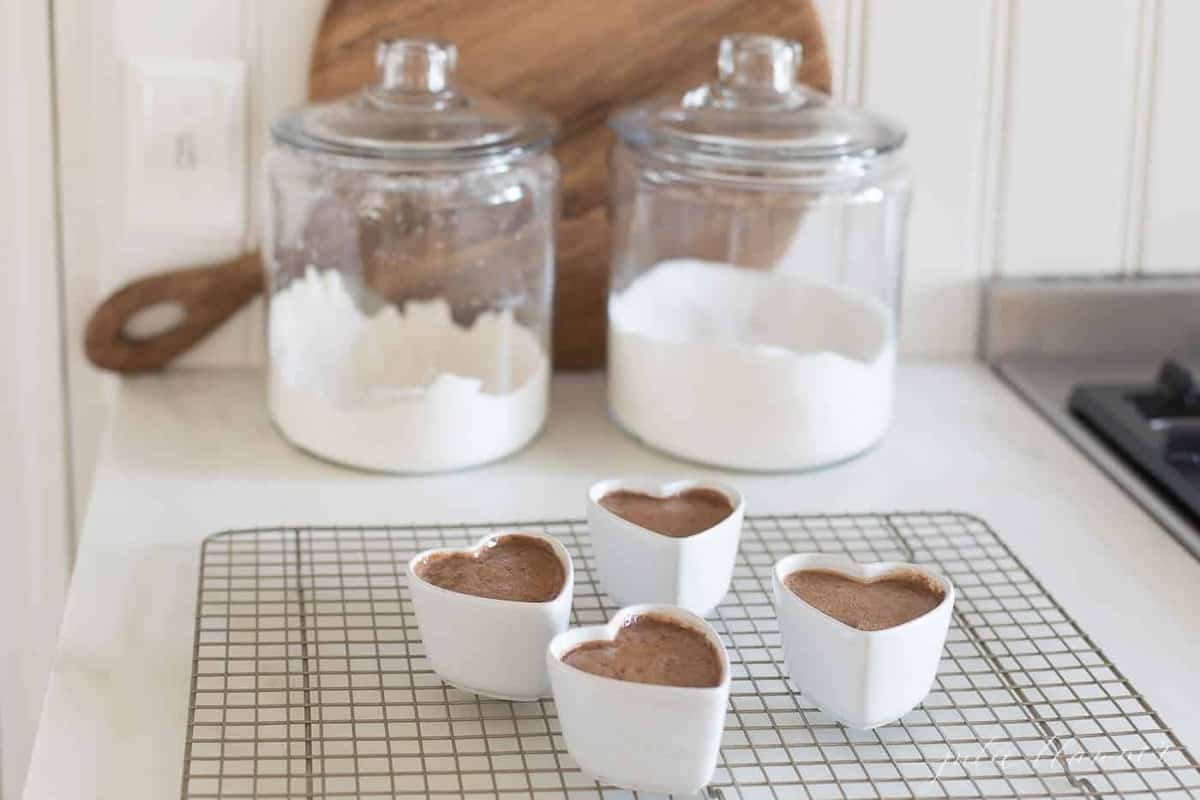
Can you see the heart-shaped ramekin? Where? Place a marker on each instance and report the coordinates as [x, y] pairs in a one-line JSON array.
[[863, 679], [495, 648], [637, 565], [639, 736]]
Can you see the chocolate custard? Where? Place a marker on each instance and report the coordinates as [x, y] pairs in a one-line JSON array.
[[887, 601], [685, 514], [652, 649], [512, 567]]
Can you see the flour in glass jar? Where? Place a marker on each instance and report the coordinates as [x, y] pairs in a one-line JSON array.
[[405, 389], [749, 369]]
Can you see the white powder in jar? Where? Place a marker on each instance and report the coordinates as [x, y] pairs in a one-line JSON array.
[[403, 390], [748, 369]]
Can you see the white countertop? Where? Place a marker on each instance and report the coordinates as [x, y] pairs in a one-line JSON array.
[[193, 453]]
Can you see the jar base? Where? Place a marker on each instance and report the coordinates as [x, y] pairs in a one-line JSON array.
[[718, 464], [324, 454]]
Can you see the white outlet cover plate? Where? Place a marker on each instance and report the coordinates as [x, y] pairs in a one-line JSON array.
[[185, 145]]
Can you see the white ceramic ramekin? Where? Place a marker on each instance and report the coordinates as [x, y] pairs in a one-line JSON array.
[[637, 565], [490, 647], [863, 679], [639, 736]]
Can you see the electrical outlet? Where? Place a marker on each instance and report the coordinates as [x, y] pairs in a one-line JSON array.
[[185, 145]]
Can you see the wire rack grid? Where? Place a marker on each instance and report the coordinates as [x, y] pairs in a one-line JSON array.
[[309, 681]]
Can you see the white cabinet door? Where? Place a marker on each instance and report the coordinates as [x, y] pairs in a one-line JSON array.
[[35, 545]]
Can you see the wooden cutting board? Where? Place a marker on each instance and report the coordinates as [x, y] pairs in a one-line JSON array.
[[577, 59]]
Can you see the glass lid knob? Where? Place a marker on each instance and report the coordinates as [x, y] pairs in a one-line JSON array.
[[415, 65], [753, 63]]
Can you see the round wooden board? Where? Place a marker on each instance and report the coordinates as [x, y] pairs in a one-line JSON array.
[[578, 60]]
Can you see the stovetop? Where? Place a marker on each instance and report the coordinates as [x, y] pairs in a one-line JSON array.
[[1154, 426], [1135, 417], [1088, 354]]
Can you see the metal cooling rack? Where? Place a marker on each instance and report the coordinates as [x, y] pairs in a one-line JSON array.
[[309, 681]]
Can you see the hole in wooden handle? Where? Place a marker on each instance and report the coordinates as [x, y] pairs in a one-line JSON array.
[[154, 320]]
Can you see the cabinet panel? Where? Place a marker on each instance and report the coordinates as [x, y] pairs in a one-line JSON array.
[[1171, 237], [35, 482], [1069, 137], [939, 88]]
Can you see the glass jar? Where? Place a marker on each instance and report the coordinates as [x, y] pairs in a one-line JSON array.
[[409, 257], [758, 249]]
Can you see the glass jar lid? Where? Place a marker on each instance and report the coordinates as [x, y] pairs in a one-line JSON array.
[[755, 113], [417, 113]]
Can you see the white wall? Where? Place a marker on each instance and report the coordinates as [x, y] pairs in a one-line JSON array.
[[94, 39], [1047, 137], [34, 481]]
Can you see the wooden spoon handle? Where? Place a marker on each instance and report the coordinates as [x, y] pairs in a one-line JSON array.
[[207, 295]]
